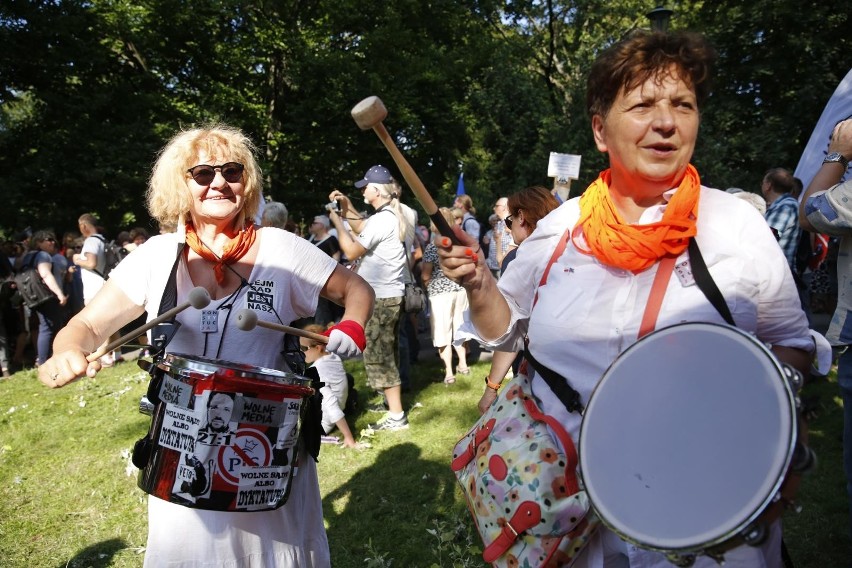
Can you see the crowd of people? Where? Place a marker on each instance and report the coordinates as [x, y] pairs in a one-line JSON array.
[[71, 267], [544, 268]]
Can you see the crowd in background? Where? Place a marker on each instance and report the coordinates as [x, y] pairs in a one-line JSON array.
[[26, 334]]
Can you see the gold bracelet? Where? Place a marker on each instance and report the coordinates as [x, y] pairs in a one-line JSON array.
[[495, 386]]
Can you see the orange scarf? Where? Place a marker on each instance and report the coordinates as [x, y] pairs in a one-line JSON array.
[[234, 250], [636, 247]]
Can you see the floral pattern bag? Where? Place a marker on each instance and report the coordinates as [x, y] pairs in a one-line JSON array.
[[521, 484], [519, 481]]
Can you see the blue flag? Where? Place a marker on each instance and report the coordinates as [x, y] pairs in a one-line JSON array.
[[460, 188]]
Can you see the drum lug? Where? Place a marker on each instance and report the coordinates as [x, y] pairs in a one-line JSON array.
[[682, 560], [715, 556], [804, 459], [794, 377], [755, 535]]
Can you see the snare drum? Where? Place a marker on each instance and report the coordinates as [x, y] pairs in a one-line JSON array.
[[223, 435], [686, 441]]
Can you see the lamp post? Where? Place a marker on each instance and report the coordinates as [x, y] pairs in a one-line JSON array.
[[660, 17]]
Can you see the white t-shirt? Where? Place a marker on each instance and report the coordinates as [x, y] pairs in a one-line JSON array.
[[336, 389], [383, 265], [288, 275], [93, 282]]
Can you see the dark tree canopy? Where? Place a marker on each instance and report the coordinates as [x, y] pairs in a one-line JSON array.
[[91, 90]]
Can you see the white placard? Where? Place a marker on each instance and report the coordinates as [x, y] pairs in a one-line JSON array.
[[564, 166]]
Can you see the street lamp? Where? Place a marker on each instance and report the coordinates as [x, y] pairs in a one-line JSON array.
[[660, 17]]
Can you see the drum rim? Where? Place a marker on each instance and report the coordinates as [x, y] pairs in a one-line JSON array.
[[754, 515], [186, 365]]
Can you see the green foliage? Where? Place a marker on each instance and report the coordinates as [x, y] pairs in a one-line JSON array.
[[91, 90], [68, 495]]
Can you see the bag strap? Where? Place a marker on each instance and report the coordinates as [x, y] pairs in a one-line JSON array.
[[29, 263], [658, 292], [408, 264], [706, 284], [95, 270], [163, 332]]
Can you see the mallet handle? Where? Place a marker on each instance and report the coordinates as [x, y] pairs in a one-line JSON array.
[[165, 316], [416, 185], [293, 331]]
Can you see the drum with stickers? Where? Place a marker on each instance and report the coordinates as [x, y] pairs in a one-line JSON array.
[[224, 435], [689, 444]]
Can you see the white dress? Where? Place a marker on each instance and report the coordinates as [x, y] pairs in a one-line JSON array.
[[288, 275]]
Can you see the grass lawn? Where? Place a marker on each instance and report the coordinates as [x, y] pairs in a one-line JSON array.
[[68, 494]]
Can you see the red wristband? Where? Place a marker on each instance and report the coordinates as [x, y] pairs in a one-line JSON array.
[[353, 329]]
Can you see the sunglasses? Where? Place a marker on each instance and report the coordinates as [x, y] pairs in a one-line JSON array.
[[508, 220], [204, 174], [303, 348]]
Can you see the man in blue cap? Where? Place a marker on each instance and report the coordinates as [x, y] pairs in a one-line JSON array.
[[379, 250]]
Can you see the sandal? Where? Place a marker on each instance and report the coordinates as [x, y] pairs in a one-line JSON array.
[[463, 370], [449, 380]]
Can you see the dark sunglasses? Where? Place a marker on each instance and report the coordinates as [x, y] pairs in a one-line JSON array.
[[508, 221], [303, 348], [204, 174]]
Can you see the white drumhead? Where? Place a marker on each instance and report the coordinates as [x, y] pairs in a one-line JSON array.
[[687, 437]]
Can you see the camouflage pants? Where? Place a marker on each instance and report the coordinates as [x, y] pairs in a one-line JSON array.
[[381, 357]]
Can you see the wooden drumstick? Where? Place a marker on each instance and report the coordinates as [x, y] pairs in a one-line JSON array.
[[370, 113], [198, 298], [247, 320]]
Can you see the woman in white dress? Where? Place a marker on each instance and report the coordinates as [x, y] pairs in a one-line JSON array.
[[208, 184]]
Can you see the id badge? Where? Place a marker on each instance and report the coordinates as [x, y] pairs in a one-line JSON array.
[[209, 321], [683, 270]]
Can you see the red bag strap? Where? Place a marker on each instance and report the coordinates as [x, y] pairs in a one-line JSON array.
[[557, 252], [655, 298]]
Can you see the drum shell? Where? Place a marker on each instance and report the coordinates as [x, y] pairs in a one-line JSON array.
[[775, 485], [248, 463]]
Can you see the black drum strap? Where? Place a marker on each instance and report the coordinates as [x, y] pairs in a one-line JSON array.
[[557, 383], [706, 284], [163, 333]]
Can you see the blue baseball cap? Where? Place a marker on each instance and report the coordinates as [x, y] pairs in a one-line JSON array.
[[376, 174]]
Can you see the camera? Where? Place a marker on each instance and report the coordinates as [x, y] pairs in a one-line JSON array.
[[333, 206]]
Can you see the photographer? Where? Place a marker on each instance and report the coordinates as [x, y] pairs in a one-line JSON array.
[[379, 246]]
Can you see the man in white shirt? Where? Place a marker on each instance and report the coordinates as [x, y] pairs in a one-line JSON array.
[[91, 259], [380, 251]]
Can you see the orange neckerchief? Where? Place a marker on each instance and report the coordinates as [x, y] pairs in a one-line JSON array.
[[233, 251], [636, 247]]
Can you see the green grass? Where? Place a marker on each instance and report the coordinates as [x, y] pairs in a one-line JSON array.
[[68, 499]]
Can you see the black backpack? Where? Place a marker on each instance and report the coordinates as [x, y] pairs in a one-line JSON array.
[[31, 288], [113, 254]]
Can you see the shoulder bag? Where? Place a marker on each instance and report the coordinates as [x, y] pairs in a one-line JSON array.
[[31, 287]]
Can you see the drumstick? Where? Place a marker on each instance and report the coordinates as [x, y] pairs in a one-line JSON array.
[[198, 298], [247, 320]]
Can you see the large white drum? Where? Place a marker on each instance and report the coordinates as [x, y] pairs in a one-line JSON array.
[[687, 439]]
